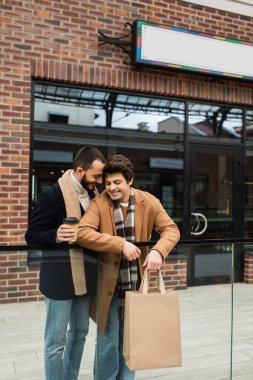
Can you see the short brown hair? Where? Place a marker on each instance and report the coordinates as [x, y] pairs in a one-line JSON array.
[[119, 164], [86, 156]]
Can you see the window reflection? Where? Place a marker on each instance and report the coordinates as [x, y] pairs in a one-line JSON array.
[[148, 130], [249, 125], [215, 121], [149, 114], [248, 194], [248, 200], [95, 108], [72, 106]]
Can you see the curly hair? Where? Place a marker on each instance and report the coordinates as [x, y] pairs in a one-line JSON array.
[[119, 164]]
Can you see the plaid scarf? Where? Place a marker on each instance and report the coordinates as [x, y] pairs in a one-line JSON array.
[[128, 274]]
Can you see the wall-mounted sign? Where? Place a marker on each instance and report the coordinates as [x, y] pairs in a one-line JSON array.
[[61, 157], [181, 49], [166, 163]]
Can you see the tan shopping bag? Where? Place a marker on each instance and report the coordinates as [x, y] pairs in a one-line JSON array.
[[152, 328]]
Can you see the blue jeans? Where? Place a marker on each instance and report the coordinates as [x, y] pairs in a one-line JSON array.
[[67, 325], [109, 360]]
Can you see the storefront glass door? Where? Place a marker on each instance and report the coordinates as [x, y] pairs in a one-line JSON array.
[[214, 210]]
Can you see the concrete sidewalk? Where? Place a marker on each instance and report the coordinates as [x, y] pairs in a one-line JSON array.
[[206, 338]]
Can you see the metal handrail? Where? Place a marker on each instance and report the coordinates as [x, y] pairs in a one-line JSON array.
[[25, 247]]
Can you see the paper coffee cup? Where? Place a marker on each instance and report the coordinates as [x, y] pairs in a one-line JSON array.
[[72, 222]]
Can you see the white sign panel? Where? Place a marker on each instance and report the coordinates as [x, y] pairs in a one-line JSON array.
[[183, 49], [241, 7]]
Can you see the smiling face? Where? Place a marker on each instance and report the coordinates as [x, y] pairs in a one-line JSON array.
[[91, 177], [117, 187]]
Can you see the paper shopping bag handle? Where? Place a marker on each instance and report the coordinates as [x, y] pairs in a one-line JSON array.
[[144, 287]]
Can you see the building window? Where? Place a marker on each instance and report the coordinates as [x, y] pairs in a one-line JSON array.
[[218, 121]]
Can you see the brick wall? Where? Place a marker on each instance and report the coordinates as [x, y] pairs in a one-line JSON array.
[[18, 282], [248, 268], [58, 40], [174, 272]]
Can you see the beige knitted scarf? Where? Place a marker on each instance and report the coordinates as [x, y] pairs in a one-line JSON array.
[[72, 205]]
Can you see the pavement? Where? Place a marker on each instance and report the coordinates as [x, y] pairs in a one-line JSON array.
[[206, 315]]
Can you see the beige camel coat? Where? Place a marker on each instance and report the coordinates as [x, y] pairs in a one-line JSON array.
[[97, 231]]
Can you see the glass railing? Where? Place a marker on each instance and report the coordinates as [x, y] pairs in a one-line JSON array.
[[214, 281]]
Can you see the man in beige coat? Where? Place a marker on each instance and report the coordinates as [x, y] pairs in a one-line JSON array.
[[114, 220]]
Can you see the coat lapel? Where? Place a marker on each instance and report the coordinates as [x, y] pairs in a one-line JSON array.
[[111, 211], [138, 217]]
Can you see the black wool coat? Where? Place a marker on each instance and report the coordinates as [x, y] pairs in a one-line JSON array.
[[55, 269]]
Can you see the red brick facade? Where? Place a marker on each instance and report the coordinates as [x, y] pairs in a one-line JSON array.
[[17, 281], [58, 40], [174, 274], [248, 269]]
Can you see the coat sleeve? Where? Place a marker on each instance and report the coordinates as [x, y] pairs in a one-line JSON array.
[[167, 229], [42, 227], [90, 237]]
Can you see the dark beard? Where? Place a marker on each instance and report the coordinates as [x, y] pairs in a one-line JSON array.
[[85, 184]]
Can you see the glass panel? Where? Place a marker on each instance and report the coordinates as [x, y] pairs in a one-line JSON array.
[[249, 125], [205, 314], [212, 191], [208, 120], [248, 200], [159, 172], [22, 323], [63, 116], [80, 107], [242, 344], [205, 344], [149, 114], [248, 194]]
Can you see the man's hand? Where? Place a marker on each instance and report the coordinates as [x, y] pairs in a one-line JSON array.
[[131, 251], [153, 260], [65, 234]]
